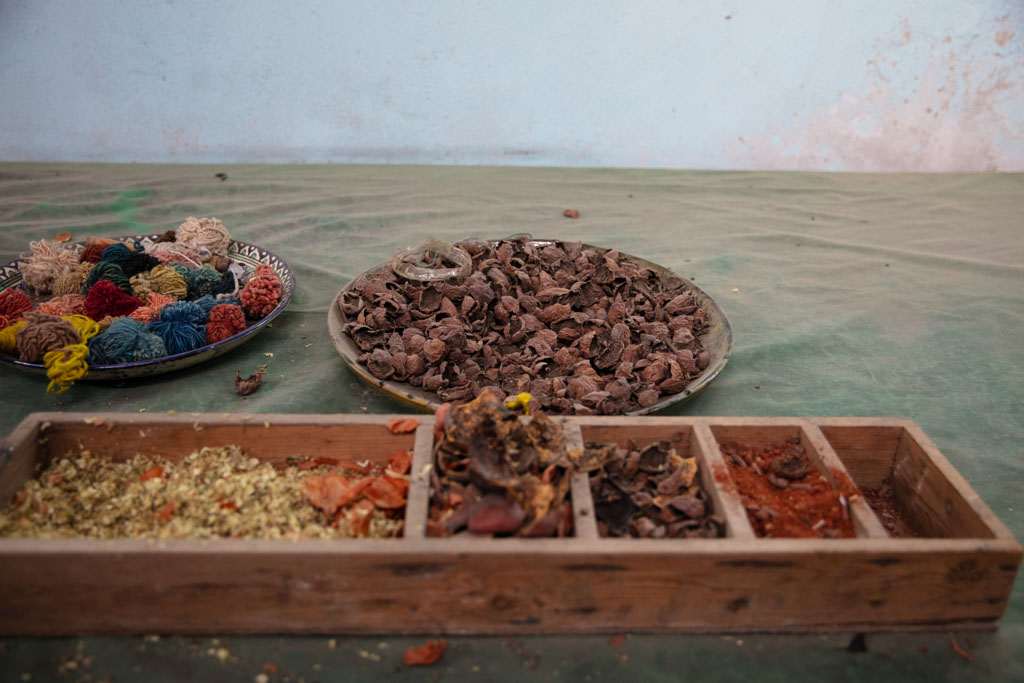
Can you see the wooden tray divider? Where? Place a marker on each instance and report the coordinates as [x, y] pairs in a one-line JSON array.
[[584, 521], [418, 502], [865, 523], [720, 485]]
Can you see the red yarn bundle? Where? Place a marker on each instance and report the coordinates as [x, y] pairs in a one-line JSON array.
[[92, 253], [225, 320], [13, 303], [262, 292], [105, 298]]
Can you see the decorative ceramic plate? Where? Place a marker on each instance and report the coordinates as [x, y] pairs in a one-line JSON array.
[[246, 255], [717, 341]]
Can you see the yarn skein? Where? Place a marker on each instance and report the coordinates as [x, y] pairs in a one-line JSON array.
[[208, 302], [162, 280], [172, 252], [13, 304], [9, 337], [207, 234], [104, 299], [131, 262], [43, 333], [48, 262], [69, 304], [65, 366], [181, 327], [104, 270], [72, 281], [154, 302], [203, 281], [226, 320], [94, 246], [93, 253], [125, 341], [262, 292]]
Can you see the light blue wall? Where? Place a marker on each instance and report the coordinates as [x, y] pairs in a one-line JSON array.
[[865, 85]]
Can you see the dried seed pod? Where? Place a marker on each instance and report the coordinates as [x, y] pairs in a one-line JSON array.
[[434, 350], [554, 313], [579, 387], [647, 397], [380, 364]]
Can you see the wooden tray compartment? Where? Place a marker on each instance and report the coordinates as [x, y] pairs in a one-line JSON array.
[[819, 452], [583, 584], [689, 440], [931, 495]]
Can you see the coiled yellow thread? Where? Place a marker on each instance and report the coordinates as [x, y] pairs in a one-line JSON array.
[[68, 365]]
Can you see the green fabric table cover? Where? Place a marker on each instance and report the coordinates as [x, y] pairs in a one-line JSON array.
[[849, 295]]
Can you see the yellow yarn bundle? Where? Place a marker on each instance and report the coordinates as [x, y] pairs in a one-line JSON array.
[[66, 366], [9, 337], [162, 280]]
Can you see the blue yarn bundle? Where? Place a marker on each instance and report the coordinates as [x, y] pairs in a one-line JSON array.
[[105, 270], [181, 326], [125, 341], [131, 262], [203, 281]]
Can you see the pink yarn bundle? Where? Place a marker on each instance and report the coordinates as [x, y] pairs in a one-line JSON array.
[[262, 292], [69, 304], [154, 302], [169, 253]]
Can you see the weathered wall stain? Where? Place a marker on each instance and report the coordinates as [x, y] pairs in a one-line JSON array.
[[961, 111]]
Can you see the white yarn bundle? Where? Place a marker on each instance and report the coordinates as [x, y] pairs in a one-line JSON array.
[[207, 234], [47, 263]]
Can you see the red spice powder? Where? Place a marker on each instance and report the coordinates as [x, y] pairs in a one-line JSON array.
[[807, 508]]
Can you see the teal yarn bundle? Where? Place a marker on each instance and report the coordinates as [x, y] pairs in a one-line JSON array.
[[182, 270], [131, 262], [181, 326], [125, 341], [203, 281], [207, 302], [105, 270]]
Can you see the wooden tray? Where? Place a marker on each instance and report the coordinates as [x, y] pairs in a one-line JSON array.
[[960, 575]]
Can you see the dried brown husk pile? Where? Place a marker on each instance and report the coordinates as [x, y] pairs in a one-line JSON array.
[[495, 474], [583, 331], [650, 492]]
